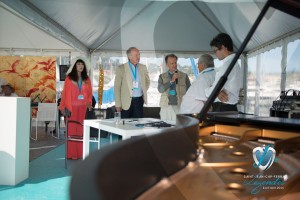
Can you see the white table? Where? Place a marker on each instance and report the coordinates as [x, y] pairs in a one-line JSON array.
[[126, 131]]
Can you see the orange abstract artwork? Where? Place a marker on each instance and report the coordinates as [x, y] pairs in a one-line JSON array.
[[33, 77]]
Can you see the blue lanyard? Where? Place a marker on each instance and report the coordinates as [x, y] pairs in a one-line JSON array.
[[203, 72], [133, 72], [79, 84], [170, 75]]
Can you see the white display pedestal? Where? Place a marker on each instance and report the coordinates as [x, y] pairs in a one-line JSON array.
[[14, 139]]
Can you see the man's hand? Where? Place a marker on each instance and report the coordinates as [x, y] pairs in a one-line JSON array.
[[223, 96], [119, 109], [67, 112], [174, 77]]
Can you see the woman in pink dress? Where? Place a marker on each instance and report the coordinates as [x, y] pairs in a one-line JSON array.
[[76, 98]]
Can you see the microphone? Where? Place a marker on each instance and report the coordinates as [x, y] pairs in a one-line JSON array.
[[176, 81]]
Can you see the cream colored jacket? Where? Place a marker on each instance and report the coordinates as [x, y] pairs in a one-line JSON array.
[[123, 85]]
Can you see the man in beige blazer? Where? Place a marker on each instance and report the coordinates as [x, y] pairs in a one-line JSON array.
[[131, 84]]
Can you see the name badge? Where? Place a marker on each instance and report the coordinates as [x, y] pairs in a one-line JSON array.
[[135, 85], [172, 92], [80, 97]]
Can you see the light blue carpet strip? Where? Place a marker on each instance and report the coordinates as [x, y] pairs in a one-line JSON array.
[[48, 178]]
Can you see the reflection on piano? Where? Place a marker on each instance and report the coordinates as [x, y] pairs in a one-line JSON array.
[[206, 156], [224, 167]]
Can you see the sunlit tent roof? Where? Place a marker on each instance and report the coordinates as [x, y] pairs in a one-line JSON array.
[[101, 25]]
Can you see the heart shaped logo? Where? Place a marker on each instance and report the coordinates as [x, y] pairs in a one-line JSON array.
[[263, 157]]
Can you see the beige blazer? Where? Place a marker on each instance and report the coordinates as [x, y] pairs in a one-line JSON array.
[[123, 85]]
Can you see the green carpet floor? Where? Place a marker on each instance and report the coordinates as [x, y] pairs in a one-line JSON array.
[[48, 178]]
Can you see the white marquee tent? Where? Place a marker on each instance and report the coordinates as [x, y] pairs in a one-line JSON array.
[[101, 27], [151, 25]]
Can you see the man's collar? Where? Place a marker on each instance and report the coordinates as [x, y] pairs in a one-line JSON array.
[[228, 57], [130, 63]]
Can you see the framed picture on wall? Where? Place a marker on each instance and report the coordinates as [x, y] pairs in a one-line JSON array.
[[62, 72]]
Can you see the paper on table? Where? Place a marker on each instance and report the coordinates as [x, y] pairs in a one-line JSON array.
[[140, 121]]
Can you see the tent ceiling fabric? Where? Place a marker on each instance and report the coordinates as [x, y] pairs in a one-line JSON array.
[[20, 34], [185, 26]]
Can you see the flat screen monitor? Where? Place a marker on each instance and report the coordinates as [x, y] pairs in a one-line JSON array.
[[62, 72]]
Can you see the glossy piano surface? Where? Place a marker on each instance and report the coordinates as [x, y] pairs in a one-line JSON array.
[[225, 167]]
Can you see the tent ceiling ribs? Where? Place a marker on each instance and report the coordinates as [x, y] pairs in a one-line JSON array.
[[208, 19], [33, 15]]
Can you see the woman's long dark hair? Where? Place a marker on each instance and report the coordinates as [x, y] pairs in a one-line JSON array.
[[73, 74]]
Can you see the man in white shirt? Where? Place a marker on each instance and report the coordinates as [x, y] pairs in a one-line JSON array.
[[194, 99], [228, 97]]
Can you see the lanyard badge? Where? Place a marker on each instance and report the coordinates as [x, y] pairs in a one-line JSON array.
[[172, 92], [79, 84], [135, 83], [80, 97]]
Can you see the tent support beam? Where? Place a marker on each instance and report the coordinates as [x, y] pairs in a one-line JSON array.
[[33, 15], [206, 17], [210, 21]]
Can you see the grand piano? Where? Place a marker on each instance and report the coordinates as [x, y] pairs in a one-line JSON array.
[[205, 156]]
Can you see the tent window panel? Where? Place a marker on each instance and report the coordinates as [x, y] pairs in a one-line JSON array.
[[154, 66], [251, 85], [263, 81], [270, 80], [293, 66], [185, 65], [109, 64]]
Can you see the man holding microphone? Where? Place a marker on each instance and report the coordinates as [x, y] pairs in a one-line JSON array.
[[172, 85]]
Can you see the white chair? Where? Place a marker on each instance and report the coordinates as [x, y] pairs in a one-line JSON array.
[[47, 112]]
